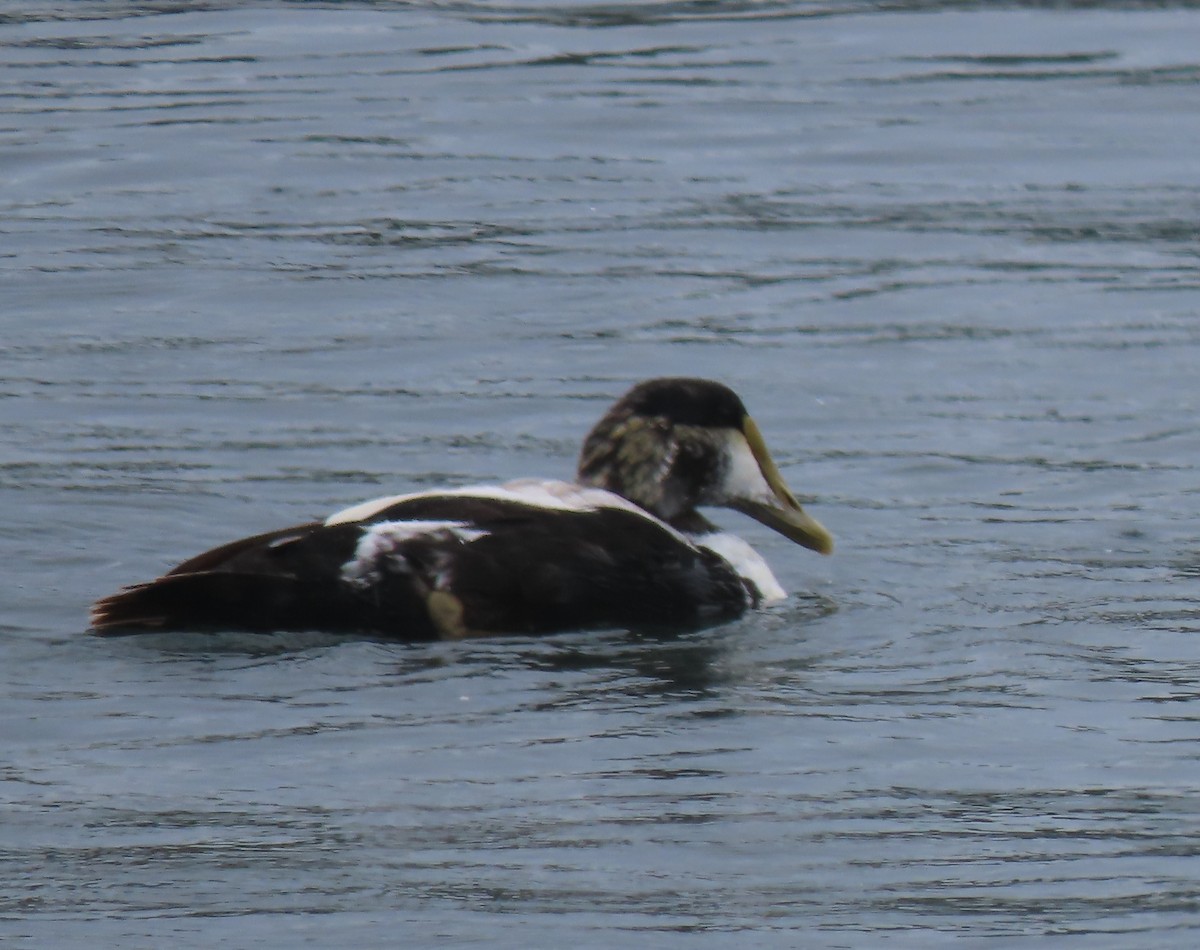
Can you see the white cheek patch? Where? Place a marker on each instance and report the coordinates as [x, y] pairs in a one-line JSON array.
[[747, 562], [744, 477], [382, 544]]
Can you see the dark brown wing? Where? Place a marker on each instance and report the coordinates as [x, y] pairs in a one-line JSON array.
[[442, 565]]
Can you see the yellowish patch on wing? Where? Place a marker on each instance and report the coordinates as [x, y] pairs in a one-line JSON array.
[[446, 612]]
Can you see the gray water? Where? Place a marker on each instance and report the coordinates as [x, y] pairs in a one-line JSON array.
[[261, 261]]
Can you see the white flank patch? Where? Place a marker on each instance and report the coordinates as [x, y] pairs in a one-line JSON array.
[[382, 541], [747, 562]]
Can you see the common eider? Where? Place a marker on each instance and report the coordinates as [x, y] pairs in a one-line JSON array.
[[622, 546]]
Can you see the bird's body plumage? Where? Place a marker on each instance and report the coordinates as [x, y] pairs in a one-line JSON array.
[[622, 546]]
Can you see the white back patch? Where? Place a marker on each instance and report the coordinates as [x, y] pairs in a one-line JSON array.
[[540, 493]]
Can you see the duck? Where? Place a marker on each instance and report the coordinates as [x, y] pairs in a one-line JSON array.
[[623, 545]]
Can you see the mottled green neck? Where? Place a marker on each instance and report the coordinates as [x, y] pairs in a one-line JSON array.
[[666, 469]]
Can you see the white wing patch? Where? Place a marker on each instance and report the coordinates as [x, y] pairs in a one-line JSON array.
[[381, 544]]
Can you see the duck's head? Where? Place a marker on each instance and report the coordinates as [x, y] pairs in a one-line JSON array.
[[671, 446]]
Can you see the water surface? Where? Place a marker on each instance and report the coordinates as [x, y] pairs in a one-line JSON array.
[[262, 261]]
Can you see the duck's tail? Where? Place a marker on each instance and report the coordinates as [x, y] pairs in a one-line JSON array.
[[220, 600]]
